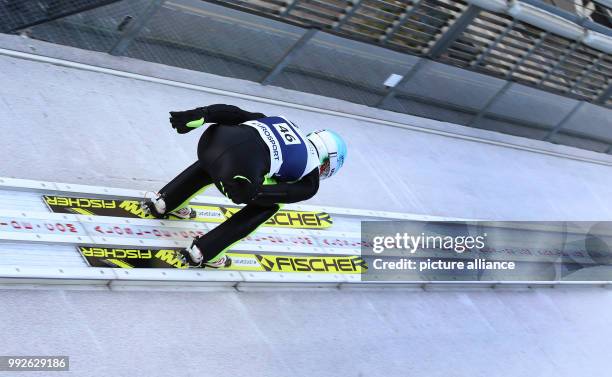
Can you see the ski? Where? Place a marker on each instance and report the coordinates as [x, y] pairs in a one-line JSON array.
[[126, 207], [117, 257]]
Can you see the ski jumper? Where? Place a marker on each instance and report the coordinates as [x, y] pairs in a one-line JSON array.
[[253, 159]]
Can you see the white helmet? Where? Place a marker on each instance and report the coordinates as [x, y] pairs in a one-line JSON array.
[[331, 149]]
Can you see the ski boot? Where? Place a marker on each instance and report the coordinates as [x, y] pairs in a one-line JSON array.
[[157, 208], [193, 258]]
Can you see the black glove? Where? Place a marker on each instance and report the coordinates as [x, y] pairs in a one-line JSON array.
[[239, 190], [185, 121]]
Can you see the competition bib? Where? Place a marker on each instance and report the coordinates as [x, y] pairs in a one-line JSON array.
[[291, 155]]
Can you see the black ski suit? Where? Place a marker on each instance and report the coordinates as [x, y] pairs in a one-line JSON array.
[[234, 157]]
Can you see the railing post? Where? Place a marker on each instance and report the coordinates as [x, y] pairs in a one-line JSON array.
[[490, 103], [586, 72], [348, 15], [530, 52], [493, 44], [454, 32], [563, 121], [134, 27], [289, 7], [289, 56], [481, 114], [404, 17], [605, 94], [559, 62]]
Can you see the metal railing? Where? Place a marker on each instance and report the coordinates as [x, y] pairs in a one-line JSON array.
[[494, 43], [520, 52], [303, 45]]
